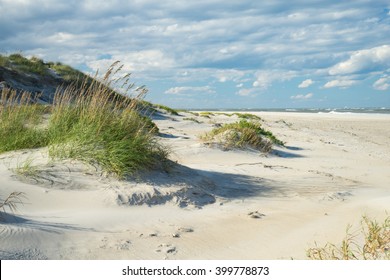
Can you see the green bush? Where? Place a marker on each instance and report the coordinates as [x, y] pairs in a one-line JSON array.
[[243, 134]]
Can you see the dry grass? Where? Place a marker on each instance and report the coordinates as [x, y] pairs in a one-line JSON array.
[[12, 202], [372, 242]]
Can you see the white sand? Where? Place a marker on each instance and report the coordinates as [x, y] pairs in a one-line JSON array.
[[334, 169]]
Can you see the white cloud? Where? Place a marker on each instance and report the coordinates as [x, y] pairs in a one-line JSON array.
[[302, 96], [264, 79], [246, 92], [189, 90], [229, 75], [340, 83], [140, 61], [306, 83], [382, 84], [240, 85], [377, 58]]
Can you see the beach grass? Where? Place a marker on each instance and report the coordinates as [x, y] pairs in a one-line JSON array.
[[32, 65], [167, 109], [91, 123], [243, 134], [371, 242], [12, 202], [19, 119]]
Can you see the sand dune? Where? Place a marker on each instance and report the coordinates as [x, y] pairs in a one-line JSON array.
[[211, 204]]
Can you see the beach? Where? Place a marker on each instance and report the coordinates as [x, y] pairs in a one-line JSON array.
[[211, 203]]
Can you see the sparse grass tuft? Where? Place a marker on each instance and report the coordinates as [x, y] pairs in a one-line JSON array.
[[247, 116], [168, 109], [67, 73], [12, 202], [206, 114], [26, 168], [371, 243], [243, 134], [191, 119]]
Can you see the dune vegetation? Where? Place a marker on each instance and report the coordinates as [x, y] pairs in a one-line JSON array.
[[87, 121], [371, 242], [242, 134]]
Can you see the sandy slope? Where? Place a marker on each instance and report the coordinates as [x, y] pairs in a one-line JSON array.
[[213, 204]]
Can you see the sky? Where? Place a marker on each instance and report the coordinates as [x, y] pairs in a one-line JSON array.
[[241, 54]]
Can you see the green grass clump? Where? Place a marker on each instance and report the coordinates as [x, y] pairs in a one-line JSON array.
[[4, 61], [247, 116], [19, 119], [371, 243], [168, 109], [206, 114], [243, 134], [33, 65], [91, 123], [66, 72], [191, 119], [100, 127]]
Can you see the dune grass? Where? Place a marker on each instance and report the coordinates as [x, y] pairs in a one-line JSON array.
[[91, 123], [243, 134], [167, 109], [19, 119], [372, 242], [12, 202], [18, 61]]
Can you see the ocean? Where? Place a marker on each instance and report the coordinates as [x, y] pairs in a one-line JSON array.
[[381, 110]]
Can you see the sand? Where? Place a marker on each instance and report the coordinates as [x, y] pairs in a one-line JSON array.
[[213, 203]]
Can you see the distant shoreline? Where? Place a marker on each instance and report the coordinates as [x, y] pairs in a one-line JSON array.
[[382, 110]]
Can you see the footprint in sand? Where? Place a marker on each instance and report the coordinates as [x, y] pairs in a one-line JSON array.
[[123, 244], [256, 215], [181, 230], [166, 248]]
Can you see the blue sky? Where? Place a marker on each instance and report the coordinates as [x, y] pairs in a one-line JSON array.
[[218, 54]]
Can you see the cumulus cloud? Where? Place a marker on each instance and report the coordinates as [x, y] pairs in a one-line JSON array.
[[189, 90], [306, 83], [264, 79], [340, 83], [382, 84], [373, 59], [302, 96]]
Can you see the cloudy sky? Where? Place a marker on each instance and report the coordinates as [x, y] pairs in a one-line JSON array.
[[218, 53]]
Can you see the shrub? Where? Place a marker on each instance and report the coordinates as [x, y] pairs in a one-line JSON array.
[[243, 134]]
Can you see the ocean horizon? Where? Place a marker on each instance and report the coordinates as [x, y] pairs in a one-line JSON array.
[[345, 110]]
